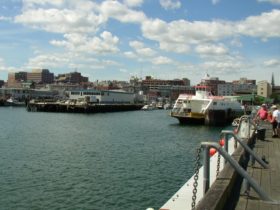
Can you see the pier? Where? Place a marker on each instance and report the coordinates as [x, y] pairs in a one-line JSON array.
[[75, 106], [244, 178], [231, 191], [268, 179]]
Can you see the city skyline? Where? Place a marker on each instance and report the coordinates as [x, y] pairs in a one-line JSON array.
[[106, 40]]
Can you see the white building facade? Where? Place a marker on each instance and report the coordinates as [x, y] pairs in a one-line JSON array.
[[102, 96]]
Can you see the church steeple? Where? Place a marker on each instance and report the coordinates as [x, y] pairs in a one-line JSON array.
[[272, 80]]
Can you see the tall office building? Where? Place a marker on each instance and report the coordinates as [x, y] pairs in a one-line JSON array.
[[264, 89], [40, 76]]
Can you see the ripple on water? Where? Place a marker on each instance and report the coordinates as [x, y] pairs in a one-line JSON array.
[[126, 160]]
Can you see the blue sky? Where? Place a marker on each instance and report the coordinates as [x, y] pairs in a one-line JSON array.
[[117, 39]]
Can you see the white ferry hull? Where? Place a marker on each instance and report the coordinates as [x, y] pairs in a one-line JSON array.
[[212, 117]]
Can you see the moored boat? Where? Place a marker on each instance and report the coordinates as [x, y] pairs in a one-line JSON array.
[[13, 102], [205, 108]]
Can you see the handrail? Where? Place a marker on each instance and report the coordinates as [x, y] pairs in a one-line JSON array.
[[236, 166], [245, 146]]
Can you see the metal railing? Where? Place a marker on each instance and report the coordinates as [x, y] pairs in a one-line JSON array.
[[223, 151], [234, 164], [226, 133]]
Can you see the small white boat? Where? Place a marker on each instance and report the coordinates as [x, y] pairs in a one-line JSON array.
[[14, 102], [159, 105], [167, 106], [148, 107]]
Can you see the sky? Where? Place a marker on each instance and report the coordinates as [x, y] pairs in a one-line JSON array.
[[166, 39]]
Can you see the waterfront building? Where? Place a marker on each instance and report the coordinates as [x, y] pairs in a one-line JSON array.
[[231, 89], [1, 83], [11, 79], [113, 85], [15, 79], [212, 83], [169, 92], [150, 83], [276, 93], [40, 76], [264, 89], [61, 88], [244, 80], [171, 89], [21, 76], [21, 93], [226, 89], [246, 88], [72, 77], [102, 96]]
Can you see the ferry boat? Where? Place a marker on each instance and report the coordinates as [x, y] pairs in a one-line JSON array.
[[203, 107]]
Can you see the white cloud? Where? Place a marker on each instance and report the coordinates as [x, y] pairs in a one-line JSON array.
[[68, 61], [121, 12], [226, 65], [133, 3], [161, 60], [60, 21], [71, 16], [215, 1], [106, 43], [177, 36], [141, 50], [3, 18], [81, 25], [170, 4], [32, 3], [270, 1], [123, 70], [5, 68], [130, 54], [2, 64], [264, 26], [48, 61], [272, 63], [236, 42], [146, 54], [211, 49]]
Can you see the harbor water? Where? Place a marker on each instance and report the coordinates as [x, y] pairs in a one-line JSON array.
[[125, 160]]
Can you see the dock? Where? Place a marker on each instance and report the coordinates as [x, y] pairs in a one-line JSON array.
[[79, 107], [268, 179], [229, 191]]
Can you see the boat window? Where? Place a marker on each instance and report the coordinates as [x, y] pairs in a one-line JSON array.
[[214, 103], [75, 93]]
